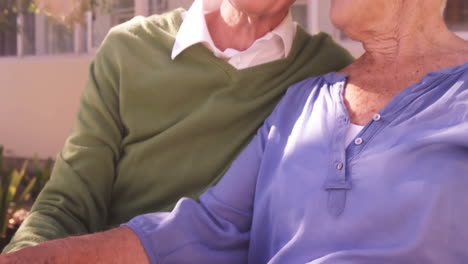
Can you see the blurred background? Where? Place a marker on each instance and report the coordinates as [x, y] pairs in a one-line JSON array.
[[47, 45]]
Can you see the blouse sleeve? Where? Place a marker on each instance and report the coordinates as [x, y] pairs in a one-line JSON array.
[[215, 230]]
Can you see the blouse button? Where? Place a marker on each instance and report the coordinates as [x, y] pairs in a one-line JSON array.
[[376, 117], [358, 141], [339, 166]]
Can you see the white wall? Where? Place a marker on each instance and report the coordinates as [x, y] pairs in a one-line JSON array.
[[179, 3], [38, 101]]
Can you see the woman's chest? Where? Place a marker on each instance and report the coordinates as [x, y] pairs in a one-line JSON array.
[[405, 171], [413, 174], [362, 103]]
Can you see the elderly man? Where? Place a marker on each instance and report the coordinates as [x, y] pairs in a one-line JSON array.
[[171, 100]]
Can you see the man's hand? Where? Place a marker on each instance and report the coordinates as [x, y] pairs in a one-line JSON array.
[[120, 245]]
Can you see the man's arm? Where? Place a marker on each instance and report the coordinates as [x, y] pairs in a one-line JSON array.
[[75, 201], [119, 245]]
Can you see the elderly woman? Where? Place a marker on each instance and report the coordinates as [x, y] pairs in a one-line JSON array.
[[369, 165]]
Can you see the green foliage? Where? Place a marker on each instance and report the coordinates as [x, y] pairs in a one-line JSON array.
[[10, 8], [41, 174], [17, 188]]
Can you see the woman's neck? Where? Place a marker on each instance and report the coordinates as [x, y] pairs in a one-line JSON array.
[[418, 39], [398, 56]]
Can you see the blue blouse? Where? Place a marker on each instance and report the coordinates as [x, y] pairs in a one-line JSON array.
[[296, 194]]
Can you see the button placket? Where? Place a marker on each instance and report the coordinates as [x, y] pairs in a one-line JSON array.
[[336, 183], [337, 186], [337, 195], [339, 165]]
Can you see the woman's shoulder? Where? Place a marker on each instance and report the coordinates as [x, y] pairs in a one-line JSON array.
[[309, 92]]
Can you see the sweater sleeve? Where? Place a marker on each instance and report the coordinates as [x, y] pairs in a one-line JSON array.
[[75, 200], [215, 230]]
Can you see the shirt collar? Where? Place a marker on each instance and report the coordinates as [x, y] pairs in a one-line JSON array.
[[194, 29], [286, 30]]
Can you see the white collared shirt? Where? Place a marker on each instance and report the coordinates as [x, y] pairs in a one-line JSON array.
[[273, 46]]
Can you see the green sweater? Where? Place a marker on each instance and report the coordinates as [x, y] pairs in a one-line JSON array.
[[151, 130]]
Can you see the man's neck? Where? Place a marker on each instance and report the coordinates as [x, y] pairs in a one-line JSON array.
[[231, 28]]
